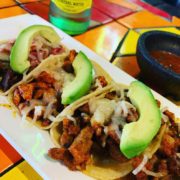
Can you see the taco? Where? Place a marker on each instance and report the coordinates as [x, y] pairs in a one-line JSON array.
[[56, 83], [21, 56], [93, 136]]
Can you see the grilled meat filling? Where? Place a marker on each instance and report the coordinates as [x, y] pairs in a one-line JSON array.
[[103, 140]]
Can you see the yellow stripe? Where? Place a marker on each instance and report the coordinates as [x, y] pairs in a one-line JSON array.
[[21, 172]]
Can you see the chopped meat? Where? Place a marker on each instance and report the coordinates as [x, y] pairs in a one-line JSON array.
[[114, 151], [45, 77], [158, 103], [33, 53], [34, 63], [162, 166], [46, 122], [67, 66], [57, 86], [66, 123], [102, 81], [57, 50], [70, 131], [79, 152], [41, 85], [174, 166], [80, 148], [64, 155], [6, 48], [132, 116], [85, 119], [141, 175], [69, 126], [149, 166], [171, 116], [168, 145], [110, 95], [100, 136], [72, 55], [49, 95], [38, 94], [73, 130], [114, 136], [26, 91], [57, 153], [16, 97], [66, 139], [44, 54], [98, 129], [84, 108]]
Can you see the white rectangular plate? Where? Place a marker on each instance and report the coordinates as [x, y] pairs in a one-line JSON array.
[[30, 142]]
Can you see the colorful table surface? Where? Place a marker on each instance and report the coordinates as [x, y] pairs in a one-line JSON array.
[[113, 34]]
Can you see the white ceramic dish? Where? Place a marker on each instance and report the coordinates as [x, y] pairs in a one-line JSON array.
[[30, 142]]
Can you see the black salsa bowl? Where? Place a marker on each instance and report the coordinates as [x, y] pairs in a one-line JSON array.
[[167, 80]]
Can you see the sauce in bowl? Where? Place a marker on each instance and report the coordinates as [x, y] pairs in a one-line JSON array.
[[167, 59]]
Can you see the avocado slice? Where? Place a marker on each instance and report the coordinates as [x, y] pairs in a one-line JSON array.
[[81, 84], [136, 136], [19, 53]]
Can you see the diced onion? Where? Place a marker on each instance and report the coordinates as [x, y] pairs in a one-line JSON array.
[[141, 165], [106, 130], [98, 84], [164, 109], [115, 127], [40, 55], [26, 109], [124, 108], [49, 109], [38, 110], [42, 47], [31, 56], [71, 118], [51, 118], [154, 174], [165, 118], [25, 112]]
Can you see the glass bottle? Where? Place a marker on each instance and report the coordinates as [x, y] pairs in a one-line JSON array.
[[72, 16]]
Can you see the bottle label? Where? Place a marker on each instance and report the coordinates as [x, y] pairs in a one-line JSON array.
[[73, 6]]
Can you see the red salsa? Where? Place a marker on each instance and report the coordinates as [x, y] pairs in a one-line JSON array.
[[167, 59]]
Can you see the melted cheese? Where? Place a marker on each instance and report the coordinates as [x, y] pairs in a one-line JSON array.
[[62, 76], [102, 110], [105, 110]]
